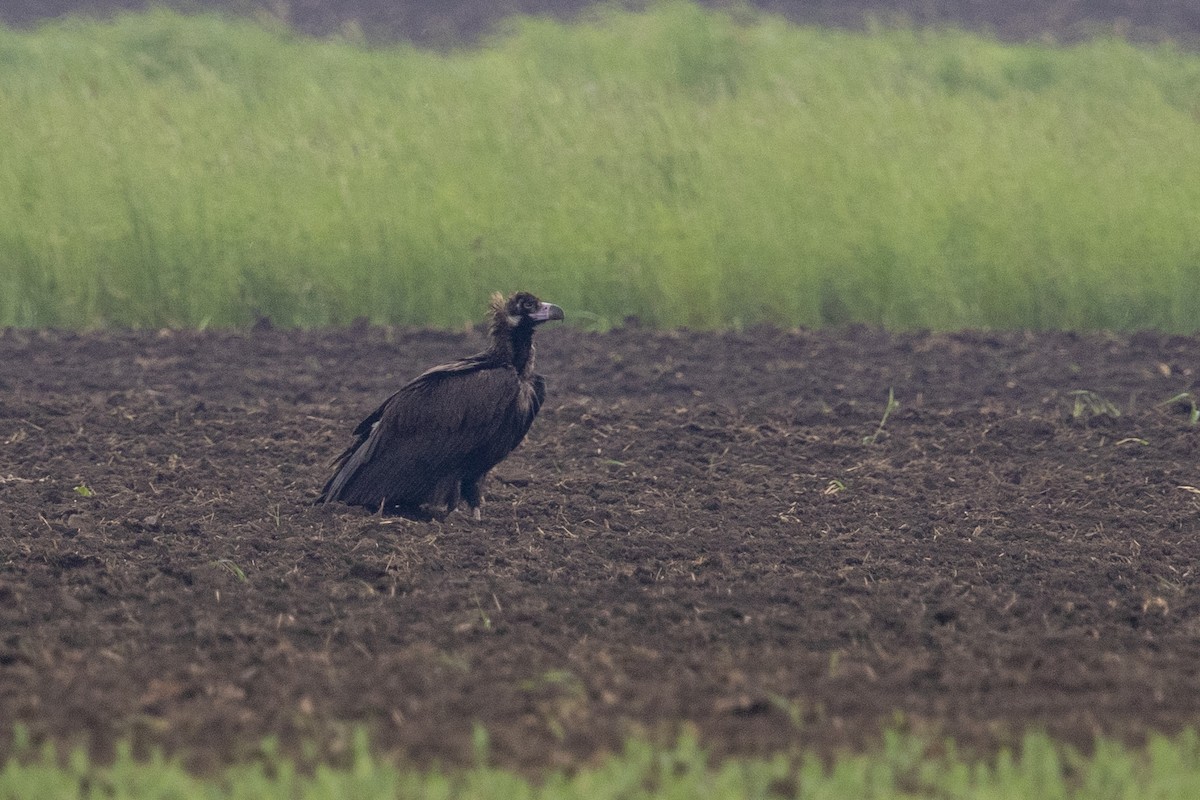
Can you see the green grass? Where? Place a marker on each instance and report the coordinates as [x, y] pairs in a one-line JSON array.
[[681, 165], [902, 767]]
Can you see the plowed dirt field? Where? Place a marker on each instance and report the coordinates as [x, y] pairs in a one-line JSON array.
[[701, 528]]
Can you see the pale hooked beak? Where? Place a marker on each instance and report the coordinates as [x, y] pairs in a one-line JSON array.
[[546, 312]]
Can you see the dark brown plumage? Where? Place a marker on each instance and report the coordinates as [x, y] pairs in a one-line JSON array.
[[432, 443]]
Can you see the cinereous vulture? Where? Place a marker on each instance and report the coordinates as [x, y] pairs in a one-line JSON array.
[[432, 443]]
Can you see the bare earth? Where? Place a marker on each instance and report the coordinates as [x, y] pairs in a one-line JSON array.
[[695, 531]]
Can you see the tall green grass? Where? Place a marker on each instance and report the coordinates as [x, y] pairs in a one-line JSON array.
[[679, 165], [1166, 769]]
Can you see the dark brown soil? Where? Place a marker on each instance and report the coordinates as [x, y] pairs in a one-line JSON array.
[[447, 23], [694, 532]]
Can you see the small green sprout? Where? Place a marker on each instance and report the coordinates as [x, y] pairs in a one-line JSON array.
[[892, 405], [1187, 401], [1089, 404], [230, 567], [84, 491]]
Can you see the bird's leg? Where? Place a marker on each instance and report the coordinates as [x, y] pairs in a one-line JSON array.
[[472, 492]]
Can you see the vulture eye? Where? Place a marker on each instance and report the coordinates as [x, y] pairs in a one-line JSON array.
[[530, 305]]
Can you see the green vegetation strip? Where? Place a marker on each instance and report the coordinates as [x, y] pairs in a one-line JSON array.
[[902, 767], [682, 165]]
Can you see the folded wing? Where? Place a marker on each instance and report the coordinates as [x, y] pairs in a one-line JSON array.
[[444, 429]]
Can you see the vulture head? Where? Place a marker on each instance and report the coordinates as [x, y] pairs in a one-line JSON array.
[[512, 324], [521, 310]]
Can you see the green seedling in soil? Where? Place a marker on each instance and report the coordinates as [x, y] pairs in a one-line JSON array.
[[892, 405], [485, 621], [792, 709], [1089, 404], [232, 568], [1187, 401], [834, 487], [83, 491]]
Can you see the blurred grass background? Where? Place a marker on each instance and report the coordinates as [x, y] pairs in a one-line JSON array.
[[686, 166]]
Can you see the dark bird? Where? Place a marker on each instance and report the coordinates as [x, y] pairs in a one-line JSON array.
[[432, 443]]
